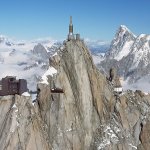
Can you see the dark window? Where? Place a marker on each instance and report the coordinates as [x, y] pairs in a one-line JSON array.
[[11, 79]]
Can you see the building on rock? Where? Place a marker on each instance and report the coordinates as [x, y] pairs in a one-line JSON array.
[[10, 86]]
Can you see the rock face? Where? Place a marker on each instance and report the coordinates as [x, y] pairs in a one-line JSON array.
[[87, 116], [40, 51], [74, 116], [21, 128]]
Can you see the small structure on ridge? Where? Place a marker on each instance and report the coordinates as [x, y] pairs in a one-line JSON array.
[[115, 80], [10, 86], [118, 87]]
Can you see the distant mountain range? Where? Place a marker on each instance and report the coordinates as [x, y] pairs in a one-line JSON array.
[[30, 59], [130, 54]]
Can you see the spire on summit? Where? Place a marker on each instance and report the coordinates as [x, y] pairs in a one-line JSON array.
[[71, 35], [70, 26]]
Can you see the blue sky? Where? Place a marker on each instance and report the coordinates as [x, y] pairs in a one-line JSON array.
[[94, 19]]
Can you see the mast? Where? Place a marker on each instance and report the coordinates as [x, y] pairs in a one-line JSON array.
[[70, 26]]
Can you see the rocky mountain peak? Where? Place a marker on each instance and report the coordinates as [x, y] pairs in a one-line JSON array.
[[124, 34], [85, 115], [131, 55], [124, 28], [88, 113], [120, 45], [81, 82], [40, 51]]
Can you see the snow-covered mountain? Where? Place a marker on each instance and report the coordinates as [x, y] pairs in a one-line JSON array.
[[130, 54], [141, 51], [121, 44], [28, 60]]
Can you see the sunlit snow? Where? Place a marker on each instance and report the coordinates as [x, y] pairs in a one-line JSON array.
[[125, 50], [25, 94], [51, 71]]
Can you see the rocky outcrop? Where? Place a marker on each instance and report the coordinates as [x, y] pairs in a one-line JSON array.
[[21, 127], [145, 135], [86, 116], [74, 116]]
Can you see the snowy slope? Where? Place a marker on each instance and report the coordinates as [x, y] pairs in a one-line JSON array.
[[121, 44], [141, 51], [51, 71], [97, 58], [125, 50]]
